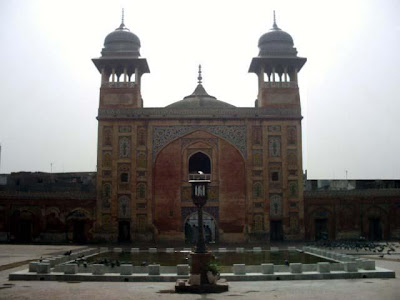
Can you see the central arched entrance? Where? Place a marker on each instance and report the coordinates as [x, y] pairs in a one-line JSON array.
[[209, 227], [180, 161]]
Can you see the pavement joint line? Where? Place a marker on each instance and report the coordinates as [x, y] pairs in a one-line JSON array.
[[16, 264]]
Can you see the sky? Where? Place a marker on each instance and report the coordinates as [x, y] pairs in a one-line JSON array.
[[349, 87]]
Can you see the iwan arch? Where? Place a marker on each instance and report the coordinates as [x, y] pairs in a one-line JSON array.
[[252, 154]]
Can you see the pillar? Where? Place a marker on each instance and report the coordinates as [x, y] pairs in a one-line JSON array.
[[104, 78], [113, 75], [261, 77], [285, 74], [137, 77], [273, 74], [125, 75]]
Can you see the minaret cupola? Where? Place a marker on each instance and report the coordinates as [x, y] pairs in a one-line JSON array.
[[276, 66], [121, 42], [121, 69]]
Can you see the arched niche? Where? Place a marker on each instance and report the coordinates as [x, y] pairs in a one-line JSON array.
[[199, 162], [171, 179]]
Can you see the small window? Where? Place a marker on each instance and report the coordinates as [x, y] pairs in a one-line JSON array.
[[124, 177], [275, 176]]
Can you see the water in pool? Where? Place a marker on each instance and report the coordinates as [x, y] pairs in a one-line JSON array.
[[224, 259]]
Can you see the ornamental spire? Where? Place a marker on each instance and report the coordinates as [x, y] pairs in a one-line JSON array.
[[122, 26], [199, 78], [274, 26]]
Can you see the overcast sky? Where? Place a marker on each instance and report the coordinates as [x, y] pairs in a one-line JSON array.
[[349, 86]]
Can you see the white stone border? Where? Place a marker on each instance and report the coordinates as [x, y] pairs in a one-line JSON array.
[[346, 267]]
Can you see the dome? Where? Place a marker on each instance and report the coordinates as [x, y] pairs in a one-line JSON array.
[[121, 42], [200, 99], [276, 42], [275, 35]]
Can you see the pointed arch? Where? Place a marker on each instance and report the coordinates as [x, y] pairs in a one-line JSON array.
[[236, 135], [199, 162], [79, 213], [210, 228]]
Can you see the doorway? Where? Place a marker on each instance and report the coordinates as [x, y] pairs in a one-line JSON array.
[[209, 229], [22, 226], [25, 231], [375, 229], [124, 231], [79, 231], [321, 229], [276, 230]]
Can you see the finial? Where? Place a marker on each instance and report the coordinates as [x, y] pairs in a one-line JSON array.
[[122, 18], [274, 25], [199, 78]]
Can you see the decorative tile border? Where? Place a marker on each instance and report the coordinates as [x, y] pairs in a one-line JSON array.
[[235, 134]]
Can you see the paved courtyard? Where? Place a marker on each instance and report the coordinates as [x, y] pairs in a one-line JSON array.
[[12, 255]]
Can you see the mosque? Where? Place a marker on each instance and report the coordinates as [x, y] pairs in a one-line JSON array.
[[146, 157]]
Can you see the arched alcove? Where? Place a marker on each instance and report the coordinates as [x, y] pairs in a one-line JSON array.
[[226, 168]]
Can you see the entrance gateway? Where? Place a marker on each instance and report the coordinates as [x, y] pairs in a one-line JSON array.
[[375, 229], [124, 231], [209, 229], [321, 229], [276, 230], [78, 231]]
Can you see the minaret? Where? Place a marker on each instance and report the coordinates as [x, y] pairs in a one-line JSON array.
[[121, 69], [277, 66]]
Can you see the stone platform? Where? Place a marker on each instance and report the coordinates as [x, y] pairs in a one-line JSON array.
[[62, 268], [182, 286], [112, 277]]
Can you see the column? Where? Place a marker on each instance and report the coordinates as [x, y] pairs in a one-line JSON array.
[[125, 75], [295, 75], [261, 77], [104, 78], [137, 77], [113, 74], [285, 79], [273, 74]]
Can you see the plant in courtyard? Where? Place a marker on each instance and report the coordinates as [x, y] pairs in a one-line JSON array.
[[214, 268]]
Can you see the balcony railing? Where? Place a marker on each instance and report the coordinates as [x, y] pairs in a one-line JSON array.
[[290, 84], [199, 176], [118, 84]]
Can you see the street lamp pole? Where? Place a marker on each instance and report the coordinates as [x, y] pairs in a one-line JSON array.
[[201, 245], [201, 279], [199, 196]]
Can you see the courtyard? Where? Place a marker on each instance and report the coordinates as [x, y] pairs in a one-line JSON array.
[[16, 257]]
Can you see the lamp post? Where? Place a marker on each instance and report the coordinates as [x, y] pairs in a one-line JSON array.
[[199, 197], [199, 281]]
